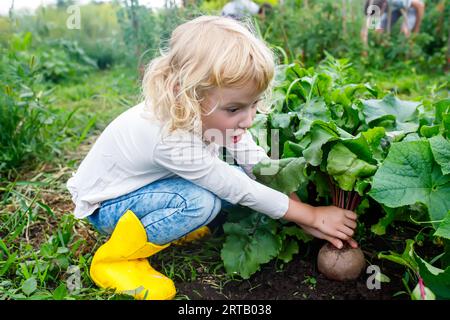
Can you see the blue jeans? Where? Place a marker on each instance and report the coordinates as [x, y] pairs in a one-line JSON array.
[[411, 17], [168, 209]]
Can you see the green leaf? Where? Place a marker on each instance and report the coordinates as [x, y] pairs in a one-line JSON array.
[[315, 109], [380, 227], [60, 292], [8, 263], [403, 113], [442, 108], [290, 247], [429, 131], [281, 120], [428, 294], [321, 133], [441, 152], [243, 255], [444, 228], [409, 175], [292, 150], [29, 286], [362, 185], [436, 279], [285, 175], [345, 167], [367, 145], [295, 231], [406, 258]]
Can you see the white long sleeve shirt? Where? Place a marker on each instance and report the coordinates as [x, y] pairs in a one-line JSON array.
[[130, 153]]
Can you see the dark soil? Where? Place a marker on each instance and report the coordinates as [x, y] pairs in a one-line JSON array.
[[298, 279]]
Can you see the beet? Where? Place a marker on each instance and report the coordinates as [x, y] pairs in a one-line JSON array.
[[340, 264]]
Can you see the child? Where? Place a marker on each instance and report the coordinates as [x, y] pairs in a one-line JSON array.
[[154, 175]]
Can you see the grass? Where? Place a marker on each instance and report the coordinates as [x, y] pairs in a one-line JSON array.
[[45, 253], [41, 243]]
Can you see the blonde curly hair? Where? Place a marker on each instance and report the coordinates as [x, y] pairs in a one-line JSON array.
[[204, 53]]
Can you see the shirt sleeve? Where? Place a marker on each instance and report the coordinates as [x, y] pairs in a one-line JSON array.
[[187, 156], [400, 4], [247, 153]]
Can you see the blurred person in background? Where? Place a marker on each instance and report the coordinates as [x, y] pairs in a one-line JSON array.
[[387, 12], [239, 9]]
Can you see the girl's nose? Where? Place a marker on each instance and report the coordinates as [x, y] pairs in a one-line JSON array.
[[247, 121]]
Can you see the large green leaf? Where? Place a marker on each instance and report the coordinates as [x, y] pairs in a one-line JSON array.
[[403, 113], [345, 167], [441, 151], [243, 254], [289, 175], [409, 175]]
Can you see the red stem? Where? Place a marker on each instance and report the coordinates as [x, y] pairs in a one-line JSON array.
[[422, 288], [341, 198], [355, 202], [336, 192], [332, 189]]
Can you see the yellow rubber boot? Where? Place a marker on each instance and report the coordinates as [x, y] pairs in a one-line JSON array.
[[194, 235], [121, 263]]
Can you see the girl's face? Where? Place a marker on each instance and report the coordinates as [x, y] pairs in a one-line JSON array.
[[234, 111]]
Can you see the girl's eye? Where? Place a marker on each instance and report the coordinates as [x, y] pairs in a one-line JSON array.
[[232, 110]]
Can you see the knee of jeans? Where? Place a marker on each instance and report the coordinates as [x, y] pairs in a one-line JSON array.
[[204, 207], [93, 219]]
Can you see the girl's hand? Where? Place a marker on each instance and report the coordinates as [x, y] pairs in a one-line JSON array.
[[334, 221], [334, 241], [330, 223]]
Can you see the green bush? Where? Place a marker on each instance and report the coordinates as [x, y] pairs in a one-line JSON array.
[[30, 126]]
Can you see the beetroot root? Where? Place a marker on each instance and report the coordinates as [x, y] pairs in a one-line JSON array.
[[340, 264]]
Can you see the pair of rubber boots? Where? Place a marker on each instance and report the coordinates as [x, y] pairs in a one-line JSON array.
[[122, 262]]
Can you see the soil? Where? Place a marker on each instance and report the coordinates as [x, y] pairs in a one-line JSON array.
[[298, 279], [294, 282]]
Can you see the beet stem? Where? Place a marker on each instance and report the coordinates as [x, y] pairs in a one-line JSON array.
[[332, 190], [422, 288], [355, 202]]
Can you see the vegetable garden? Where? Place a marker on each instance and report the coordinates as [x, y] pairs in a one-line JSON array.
[[366, 133]]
